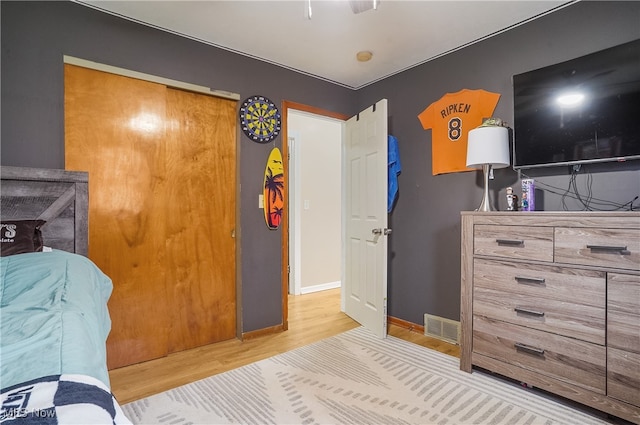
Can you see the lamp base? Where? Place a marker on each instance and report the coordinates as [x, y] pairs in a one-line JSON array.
[[486, 205]]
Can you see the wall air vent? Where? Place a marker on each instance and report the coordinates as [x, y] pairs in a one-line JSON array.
[[441, 328]]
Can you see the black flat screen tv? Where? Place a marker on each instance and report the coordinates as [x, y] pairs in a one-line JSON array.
[[579, 111]]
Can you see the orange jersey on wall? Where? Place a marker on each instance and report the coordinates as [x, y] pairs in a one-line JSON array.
[[450, 120]]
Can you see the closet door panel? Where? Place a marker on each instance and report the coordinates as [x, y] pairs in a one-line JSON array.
[[201, 209], [114, 130]]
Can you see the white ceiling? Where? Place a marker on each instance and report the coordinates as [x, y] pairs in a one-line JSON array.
[[399, 33]]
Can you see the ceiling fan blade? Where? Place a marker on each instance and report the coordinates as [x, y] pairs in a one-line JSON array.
[[359, 6]]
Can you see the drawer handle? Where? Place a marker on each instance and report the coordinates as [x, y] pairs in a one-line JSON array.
[[527, 311], [511, 242], [523, 279], [621, 249], [529, 349]]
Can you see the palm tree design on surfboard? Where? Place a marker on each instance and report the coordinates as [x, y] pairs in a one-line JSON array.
[[273, 196]]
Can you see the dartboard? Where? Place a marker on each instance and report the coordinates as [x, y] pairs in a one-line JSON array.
[[260, 119]]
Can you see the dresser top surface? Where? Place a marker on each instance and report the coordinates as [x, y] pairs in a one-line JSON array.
[[592, 219], [586, 214]]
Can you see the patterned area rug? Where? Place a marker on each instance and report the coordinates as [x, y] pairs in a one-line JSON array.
[[354, 378]]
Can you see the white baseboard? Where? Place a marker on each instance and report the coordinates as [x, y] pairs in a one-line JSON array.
[[320, 287]]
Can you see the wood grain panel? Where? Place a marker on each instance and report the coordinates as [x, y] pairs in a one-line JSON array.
[[57, 196], [569, 290], [201, 170], [623, 333], [564, 389], [527, 243], [560, 300], [570, 360], [114, 130], [572, 246], [466, 293], [610, 220], [623, 312], [573, 320], [565, 284], [623, 375]]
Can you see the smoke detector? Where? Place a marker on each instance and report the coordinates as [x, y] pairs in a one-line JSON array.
[[364, 56]]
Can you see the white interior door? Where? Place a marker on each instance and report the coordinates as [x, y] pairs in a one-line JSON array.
[[364, 295]]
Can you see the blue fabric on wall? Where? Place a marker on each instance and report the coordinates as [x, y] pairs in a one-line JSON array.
[[394, 169]]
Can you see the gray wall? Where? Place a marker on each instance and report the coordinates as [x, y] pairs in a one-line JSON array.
[[425, 243]]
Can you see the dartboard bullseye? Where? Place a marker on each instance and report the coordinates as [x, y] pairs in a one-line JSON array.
[[259, 119]]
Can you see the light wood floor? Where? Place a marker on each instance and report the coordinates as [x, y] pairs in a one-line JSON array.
[[312, 317]]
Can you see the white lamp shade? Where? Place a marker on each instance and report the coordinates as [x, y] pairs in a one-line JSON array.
[[488, 145]]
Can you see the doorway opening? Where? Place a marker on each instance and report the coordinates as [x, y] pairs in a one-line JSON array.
[[308, 165], [315, 202]]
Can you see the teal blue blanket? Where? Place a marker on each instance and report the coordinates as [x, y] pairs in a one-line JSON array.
[[53, 317]]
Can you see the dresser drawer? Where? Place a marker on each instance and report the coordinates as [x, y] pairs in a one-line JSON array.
[[564, 301], [573, 361], [618, 248], [518, 242], [564, 284], [578, 321]]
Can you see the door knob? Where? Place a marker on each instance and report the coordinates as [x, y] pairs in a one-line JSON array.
[[380, 231]]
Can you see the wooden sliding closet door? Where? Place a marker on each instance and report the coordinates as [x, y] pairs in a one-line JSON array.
[[161, 166], [201, 175], [114, 129]]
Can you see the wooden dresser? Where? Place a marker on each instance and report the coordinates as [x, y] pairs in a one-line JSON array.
[[552, 299]]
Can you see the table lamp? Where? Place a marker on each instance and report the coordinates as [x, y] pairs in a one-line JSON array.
[[488, 146]]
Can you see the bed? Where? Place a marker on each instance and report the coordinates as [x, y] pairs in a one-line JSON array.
[[54, 319]]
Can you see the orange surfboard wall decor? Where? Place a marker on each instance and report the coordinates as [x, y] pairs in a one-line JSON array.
[[273, 190]]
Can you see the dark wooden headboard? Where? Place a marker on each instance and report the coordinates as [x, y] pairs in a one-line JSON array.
[[60, 197]]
